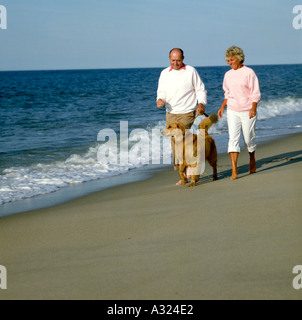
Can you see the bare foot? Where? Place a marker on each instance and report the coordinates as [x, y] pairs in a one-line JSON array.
[[181, 183], [189, 172], [234, 175], [234, 158], [252, 168]]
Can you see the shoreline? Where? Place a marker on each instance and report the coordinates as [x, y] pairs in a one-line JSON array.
[[75, 191], [83, 189], [151, 240]]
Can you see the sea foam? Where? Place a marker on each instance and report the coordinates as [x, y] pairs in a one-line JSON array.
[[17, 183], [279, 107]]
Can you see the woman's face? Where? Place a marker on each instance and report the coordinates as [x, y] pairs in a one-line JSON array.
[[234, 63]]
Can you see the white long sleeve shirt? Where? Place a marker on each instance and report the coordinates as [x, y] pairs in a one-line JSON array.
[[181, 89]]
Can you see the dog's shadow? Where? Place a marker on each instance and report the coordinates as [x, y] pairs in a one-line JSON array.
[[265, 164]]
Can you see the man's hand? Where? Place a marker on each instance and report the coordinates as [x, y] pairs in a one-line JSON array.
[[200, 109], [160, 103]]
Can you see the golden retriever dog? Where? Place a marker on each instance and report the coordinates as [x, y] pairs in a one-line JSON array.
[[188, 147]]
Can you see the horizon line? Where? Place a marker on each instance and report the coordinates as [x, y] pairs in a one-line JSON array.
[[133, 68]]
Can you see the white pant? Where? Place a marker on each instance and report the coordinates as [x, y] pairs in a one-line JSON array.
[[236, 122]]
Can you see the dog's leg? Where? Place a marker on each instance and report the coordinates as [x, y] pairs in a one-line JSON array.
[[182, 175], [194, 180], [176, 166], [213, 159]]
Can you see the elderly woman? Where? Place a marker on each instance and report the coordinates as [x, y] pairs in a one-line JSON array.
[[242, 95]]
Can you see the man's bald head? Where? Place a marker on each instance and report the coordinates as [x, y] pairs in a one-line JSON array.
[[177, 50]]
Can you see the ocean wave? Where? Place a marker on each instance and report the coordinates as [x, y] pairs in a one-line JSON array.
[[279, 107], [18, 183], [266, 110]]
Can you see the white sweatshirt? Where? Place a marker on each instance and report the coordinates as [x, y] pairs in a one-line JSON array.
[[181, 89]]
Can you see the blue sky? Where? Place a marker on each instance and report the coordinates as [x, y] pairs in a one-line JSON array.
[[77, 34]]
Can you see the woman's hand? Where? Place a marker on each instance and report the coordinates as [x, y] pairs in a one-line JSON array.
[[253, 111], [220, 111]]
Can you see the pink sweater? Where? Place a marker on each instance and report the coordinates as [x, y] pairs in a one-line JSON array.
[[241, 89]]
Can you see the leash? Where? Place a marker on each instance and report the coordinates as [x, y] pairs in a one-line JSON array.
[[204, 114]]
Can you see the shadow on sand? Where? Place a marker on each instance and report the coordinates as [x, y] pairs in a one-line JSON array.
[[264, 164]]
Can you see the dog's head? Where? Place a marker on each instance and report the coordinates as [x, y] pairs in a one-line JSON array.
[[174, 129]]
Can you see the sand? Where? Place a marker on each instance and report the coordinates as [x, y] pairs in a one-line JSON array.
[[152, 240]]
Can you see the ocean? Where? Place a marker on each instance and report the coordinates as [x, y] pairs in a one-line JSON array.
[[51, 123]]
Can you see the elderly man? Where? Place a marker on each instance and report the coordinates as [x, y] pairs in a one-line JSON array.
[[180, 88], [181, 91]]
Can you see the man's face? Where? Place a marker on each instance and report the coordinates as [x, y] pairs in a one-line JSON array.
[[176, 59]]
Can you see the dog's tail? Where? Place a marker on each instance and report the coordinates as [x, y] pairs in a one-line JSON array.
[[207, 122]]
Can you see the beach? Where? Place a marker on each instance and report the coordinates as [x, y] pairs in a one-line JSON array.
[[152, 240], [51, 136]]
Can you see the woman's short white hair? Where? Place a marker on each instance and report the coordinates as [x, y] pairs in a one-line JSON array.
[[234, 51]]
